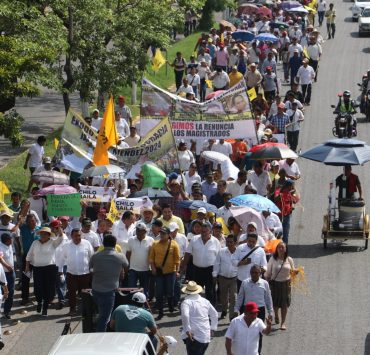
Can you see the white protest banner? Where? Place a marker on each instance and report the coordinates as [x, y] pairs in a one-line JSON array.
[[132, 204], [225, 116], [96, 194]]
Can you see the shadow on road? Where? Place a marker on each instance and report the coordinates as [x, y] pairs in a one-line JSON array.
[[312, 251], [367, 345], [348, 19], [354, 34], [366, 50]]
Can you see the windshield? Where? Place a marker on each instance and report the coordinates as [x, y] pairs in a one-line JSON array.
[[366, 13], [363, 1]]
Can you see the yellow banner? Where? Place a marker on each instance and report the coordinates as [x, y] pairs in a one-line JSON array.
[[56, 143], [158, 60], [113, 214], [305, 53]]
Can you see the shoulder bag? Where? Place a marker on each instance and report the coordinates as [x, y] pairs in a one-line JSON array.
[[160, 269]]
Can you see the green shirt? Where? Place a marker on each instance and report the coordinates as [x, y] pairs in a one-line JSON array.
[[132, 319]]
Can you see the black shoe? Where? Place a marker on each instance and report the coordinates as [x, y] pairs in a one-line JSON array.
[[25, 302], [1, 344], [38, 309], [7, 316], [223, 315], [59, 306], [44, 312], [159, 316]]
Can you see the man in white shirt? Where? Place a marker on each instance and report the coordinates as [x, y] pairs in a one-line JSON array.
[[247, 255], [137, 254], [314, 51], [224, 211], [133, 139], [225, 272], [199, 318], [220, 80], [305, 75], [223, 147], [88, 234], [204, 249], [236, 188], [124, 229], [185, 88], [273, 222], [294, 46], [96, 120], [34, 157], [243, 334], [122, 127], [260, 179], [76, 255], [291, 168], [296, 117]]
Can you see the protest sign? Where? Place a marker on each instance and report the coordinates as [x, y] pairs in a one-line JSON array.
[[158, 146], [132, 204], [64, 205], [225, 116], [96, 194]]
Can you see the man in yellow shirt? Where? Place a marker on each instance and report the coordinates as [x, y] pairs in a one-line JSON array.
[[164, 259], [168, 217], [235, 76]]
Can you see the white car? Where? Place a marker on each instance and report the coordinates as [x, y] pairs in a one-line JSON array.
[[357, 8], [364, 22]]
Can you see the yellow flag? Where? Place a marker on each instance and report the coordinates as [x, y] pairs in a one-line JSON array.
[[225, 230], [107, 135], [158, 60], [56, 143], [252, 94], [4, 188], [222, 38], [113, 214], [312, 4], [5, 208], [305, 53], [209, 83]]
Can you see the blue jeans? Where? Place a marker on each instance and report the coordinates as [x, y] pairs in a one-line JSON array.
[[286, 228], [203, 90], [165, 285], [142, 276], [105, 303], [61, 286], [195, 347], [10, 279]]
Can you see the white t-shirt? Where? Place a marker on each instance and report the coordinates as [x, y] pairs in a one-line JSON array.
[[292, 47], [36, 152], [92, 237], [193, 80], [321, 6], [122, 128], [96, 123], [291, 170], [185, 90], [224, 148], [260, 182], [190, 180], [186, 157], [305, 75], [139, 259], [182, 241], [245, 339]]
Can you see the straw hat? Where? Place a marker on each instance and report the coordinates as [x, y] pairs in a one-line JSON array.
[[46, 230], [192, 288]]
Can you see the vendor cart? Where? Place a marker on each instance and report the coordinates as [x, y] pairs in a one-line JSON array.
[[348, 221]]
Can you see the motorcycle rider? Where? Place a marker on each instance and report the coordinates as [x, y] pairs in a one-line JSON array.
[[346, 106]]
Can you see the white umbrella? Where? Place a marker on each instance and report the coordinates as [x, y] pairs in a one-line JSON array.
[[103, 170], [214, 157], [50, 177]]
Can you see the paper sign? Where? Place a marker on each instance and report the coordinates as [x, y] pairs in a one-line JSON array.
[[96, 193], [64, 205], [132, 204]]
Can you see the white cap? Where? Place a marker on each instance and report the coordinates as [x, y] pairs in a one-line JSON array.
[[96, 110], [274, 163], [170, 341], [202, 210], [139, 297], [253, 224], [173, 226]]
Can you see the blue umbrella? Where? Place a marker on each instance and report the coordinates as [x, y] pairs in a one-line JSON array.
[[286, 5], [243, 35], [268, 37], [194, 205], [257, 202], [339, 152]]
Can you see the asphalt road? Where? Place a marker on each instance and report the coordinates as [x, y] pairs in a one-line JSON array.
[[333, 318]]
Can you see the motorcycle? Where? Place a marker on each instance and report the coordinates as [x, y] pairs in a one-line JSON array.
[[345, 123], [365, 101]]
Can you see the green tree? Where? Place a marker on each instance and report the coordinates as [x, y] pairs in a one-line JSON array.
[[30, 41], [207, 19]]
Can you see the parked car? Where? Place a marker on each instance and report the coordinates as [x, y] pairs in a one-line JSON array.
[[357, 8], [364, 22]]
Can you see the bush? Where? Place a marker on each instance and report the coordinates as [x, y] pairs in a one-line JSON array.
[[10, 127]]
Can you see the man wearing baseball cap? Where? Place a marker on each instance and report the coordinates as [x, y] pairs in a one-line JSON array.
[[138, 248], [243, 334], [124, 110], [134, 318], [96, 120]]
